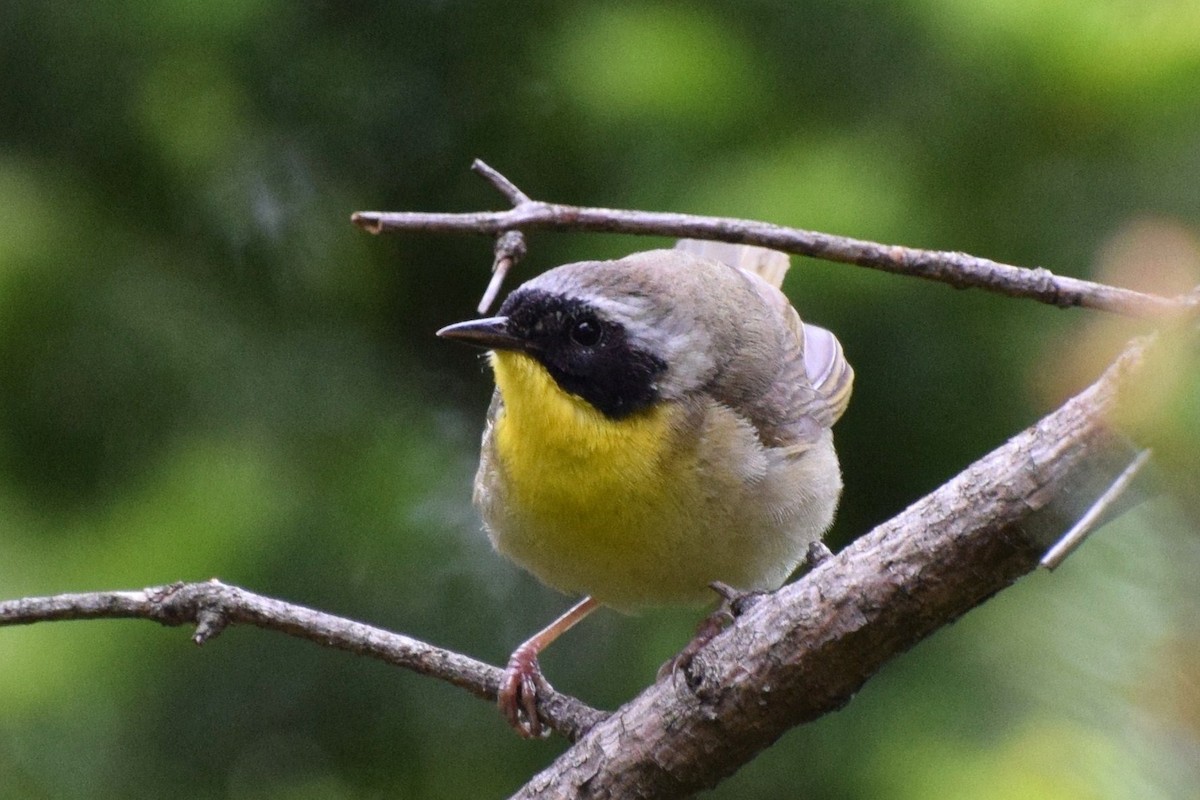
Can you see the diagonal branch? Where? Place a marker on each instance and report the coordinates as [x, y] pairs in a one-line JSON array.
[[806, 650], [794, 656], [959, 270], [213, 605]]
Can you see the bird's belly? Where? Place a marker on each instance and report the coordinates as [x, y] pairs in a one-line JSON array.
[[629, 544]]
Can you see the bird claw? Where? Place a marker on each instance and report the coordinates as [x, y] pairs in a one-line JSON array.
[[734, 603], [518, 694], [706, 631]]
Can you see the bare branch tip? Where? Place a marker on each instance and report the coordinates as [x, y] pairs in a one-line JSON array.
[[509, 250], [1083, 528], [209, 624], [500, 183], [493, 288], [1190, 301], [369, 221]]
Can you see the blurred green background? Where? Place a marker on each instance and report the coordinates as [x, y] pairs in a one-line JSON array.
[[205, 370]]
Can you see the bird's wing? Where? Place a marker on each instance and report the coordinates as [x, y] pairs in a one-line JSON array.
[[812, 388], [815, 380], [485, 495]]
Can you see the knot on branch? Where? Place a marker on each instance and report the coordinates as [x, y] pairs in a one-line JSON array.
[[1047, 285], [207, 605]]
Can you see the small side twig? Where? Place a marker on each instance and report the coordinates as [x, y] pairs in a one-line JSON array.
[[1091, 518], [510, 249], [502, 184], [209, 624], [959, 270], [213, 605]]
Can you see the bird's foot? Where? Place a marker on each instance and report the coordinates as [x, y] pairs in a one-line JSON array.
[[734, 603], [734, 600], [708, 628], [518, 694]]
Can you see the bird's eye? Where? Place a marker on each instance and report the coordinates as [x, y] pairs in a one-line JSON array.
[[586, 332]]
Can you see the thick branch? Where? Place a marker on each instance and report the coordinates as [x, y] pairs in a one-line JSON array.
[[213, 605], [808, 648], [957, 269], [794, 656]]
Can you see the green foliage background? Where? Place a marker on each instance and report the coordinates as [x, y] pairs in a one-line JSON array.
[[206, 371]]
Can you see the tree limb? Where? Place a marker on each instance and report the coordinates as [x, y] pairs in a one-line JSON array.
[[959, 270], [213, 605], [806, 650]]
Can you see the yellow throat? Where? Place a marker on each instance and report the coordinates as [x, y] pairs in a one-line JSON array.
[[560, 449], [590, 498]]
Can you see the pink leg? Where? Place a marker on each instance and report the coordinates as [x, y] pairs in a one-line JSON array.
[[522, 677]]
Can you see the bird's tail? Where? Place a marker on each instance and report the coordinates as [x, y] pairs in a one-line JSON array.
[[770, 265]]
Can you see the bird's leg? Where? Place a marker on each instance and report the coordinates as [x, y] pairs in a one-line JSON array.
[[522, 677], [708, 628], [735, 601]]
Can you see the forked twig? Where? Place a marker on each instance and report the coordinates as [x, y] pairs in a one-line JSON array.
[[959, 270]]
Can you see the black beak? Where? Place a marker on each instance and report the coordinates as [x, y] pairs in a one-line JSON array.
[[492, 333]]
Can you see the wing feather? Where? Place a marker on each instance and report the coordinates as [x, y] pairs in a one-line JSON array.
[[812, 388]]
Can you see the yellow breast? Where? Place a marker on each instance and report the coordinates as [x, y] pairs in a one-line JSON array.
[[563, 455], [591, 500]]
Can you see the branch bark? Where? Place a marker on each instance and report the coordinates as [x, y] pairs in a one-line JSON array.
[[806, 650], [959, 270], [212, 605]]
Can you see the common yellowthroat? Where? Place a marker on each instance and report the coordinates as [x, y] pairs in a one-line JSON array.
[[660, 422]]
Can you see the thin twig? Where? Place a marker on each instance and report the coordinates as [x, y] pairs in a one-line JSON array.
[[1089, 521], [956, 269], [213, 605], [509, 250], [502, 184], [510, 244]]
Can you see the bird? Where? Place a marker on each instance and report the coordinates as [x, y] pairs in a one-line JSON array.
[[660, 426]]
